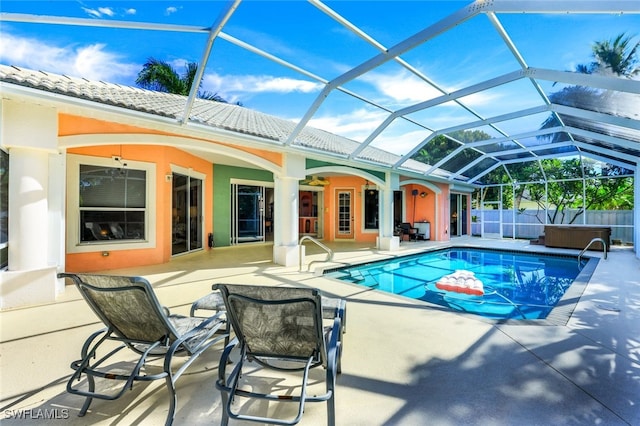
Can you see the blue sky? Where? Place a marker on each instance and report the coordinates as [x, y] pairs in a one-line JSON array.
[[299, 33]]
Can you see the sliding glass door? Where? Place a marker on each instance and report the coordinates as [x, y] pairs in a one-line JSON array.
[[458, 214], [187, 231], [247, 213]]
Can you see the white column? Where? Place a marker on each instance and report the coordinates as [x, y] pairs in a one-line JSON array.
[[386, 239], [28, 209], [29, 134], [286, 250]]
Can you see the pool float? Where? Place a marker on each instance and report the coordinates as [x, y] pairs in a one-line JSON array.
[[461, 281]]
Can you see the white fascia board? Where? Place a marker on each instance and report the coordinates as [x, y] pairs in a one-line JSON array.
[[83, 107]]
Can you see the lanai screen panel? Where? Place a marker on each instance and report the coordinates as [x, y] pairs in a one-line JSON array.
[[346, 82]]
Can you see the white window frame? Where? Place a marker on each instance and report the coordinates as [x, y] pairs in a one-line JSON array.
[[73, 206]]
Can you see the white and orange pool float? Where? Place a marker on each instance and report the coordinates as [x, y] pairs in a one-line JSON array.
[[461, 281]]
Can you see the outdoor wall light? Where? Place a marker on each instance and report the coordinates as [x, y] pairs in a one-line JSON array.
[[423, 194], [367, 189]]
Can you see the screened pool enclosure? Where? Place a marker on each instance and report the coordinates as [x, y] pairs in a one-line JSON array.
[[546, 128]]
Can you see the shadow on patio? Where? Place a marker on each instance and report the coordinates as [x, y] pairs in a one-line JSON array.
[[405, 362]]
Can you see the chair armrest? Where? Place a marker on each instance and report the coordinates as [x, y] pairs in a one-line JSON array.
[[333, 307]]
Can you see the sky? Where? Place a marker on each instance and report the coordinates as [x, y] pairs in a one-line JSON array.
[[299, 33]]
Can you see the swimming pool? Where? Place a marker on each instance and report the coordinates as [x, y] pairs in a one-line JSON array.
[[516, 285]]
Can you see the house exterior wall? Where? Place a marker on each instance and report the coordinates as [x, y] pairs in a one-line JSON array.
[[80, 136], [222, 197], [163, 158]]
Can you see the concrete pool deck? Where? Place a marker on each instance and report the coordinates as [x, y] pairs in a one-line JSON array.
[[405, 362]]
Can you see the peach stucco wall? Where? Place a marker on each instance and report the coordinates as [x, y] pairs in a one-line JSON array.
[[163, 157], [349, 183], [420, 209], [74, 125]]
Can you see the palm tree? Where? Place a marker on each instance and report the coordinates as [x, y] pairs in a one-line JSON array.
[[616, 55], [161, 77], [619, 57]]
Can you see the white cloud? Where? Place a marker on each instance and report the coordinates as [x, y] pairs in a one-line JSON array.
[[130, 11], [106, 11], [401, 143], [402, 87], [356, 125], [99, 12], [91, 12], [89, 61], [170, 10], [359, 124], [256, 84]]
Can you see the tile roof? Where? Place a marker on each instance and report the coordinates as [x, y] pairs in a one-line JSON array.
[[209, 113]]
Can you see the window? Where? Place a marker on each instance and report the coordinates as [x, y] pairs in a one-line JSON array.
[[371, 208], [4, 209], [113, 203]]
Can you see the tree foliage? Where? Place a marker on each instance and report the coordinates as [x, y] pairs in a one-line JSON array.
[[440, 146], [617, 56], [561, 197], [160, 76]]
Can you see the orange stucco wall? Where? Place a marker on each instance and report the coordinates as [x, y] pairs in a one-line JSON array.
[[415, 208], [163, 157], [421, 209], [74, 125], [348, 183]]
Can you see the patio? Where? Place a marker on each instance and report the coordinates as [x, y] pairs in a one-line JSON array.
[[404, 362]]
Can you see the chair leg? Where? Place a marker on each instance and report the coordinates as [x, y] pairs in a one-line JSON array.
[[173, 400], [331, 412], [331, 406], [225, 415], [87, 402]]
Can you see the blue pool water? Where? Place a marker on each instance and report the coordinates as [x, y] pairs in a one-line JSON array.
[[516, 285]]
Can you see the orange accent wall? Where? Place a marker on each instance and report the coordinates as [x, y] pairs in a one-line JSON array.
[[421, 209], [163, 157], [75, 125], [69, 125], [346, 182]]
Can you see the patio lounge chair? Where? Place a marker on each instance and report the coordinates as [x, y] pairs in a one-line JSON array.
[[135, 320], [279, 328]]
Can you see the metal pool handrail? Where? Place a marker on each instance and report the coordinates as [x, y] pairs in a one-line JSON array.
[[595, 240], [319, 244]]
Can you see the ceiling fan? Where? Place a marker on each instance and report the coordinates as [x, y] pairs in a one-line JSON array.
[[315, 181]]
